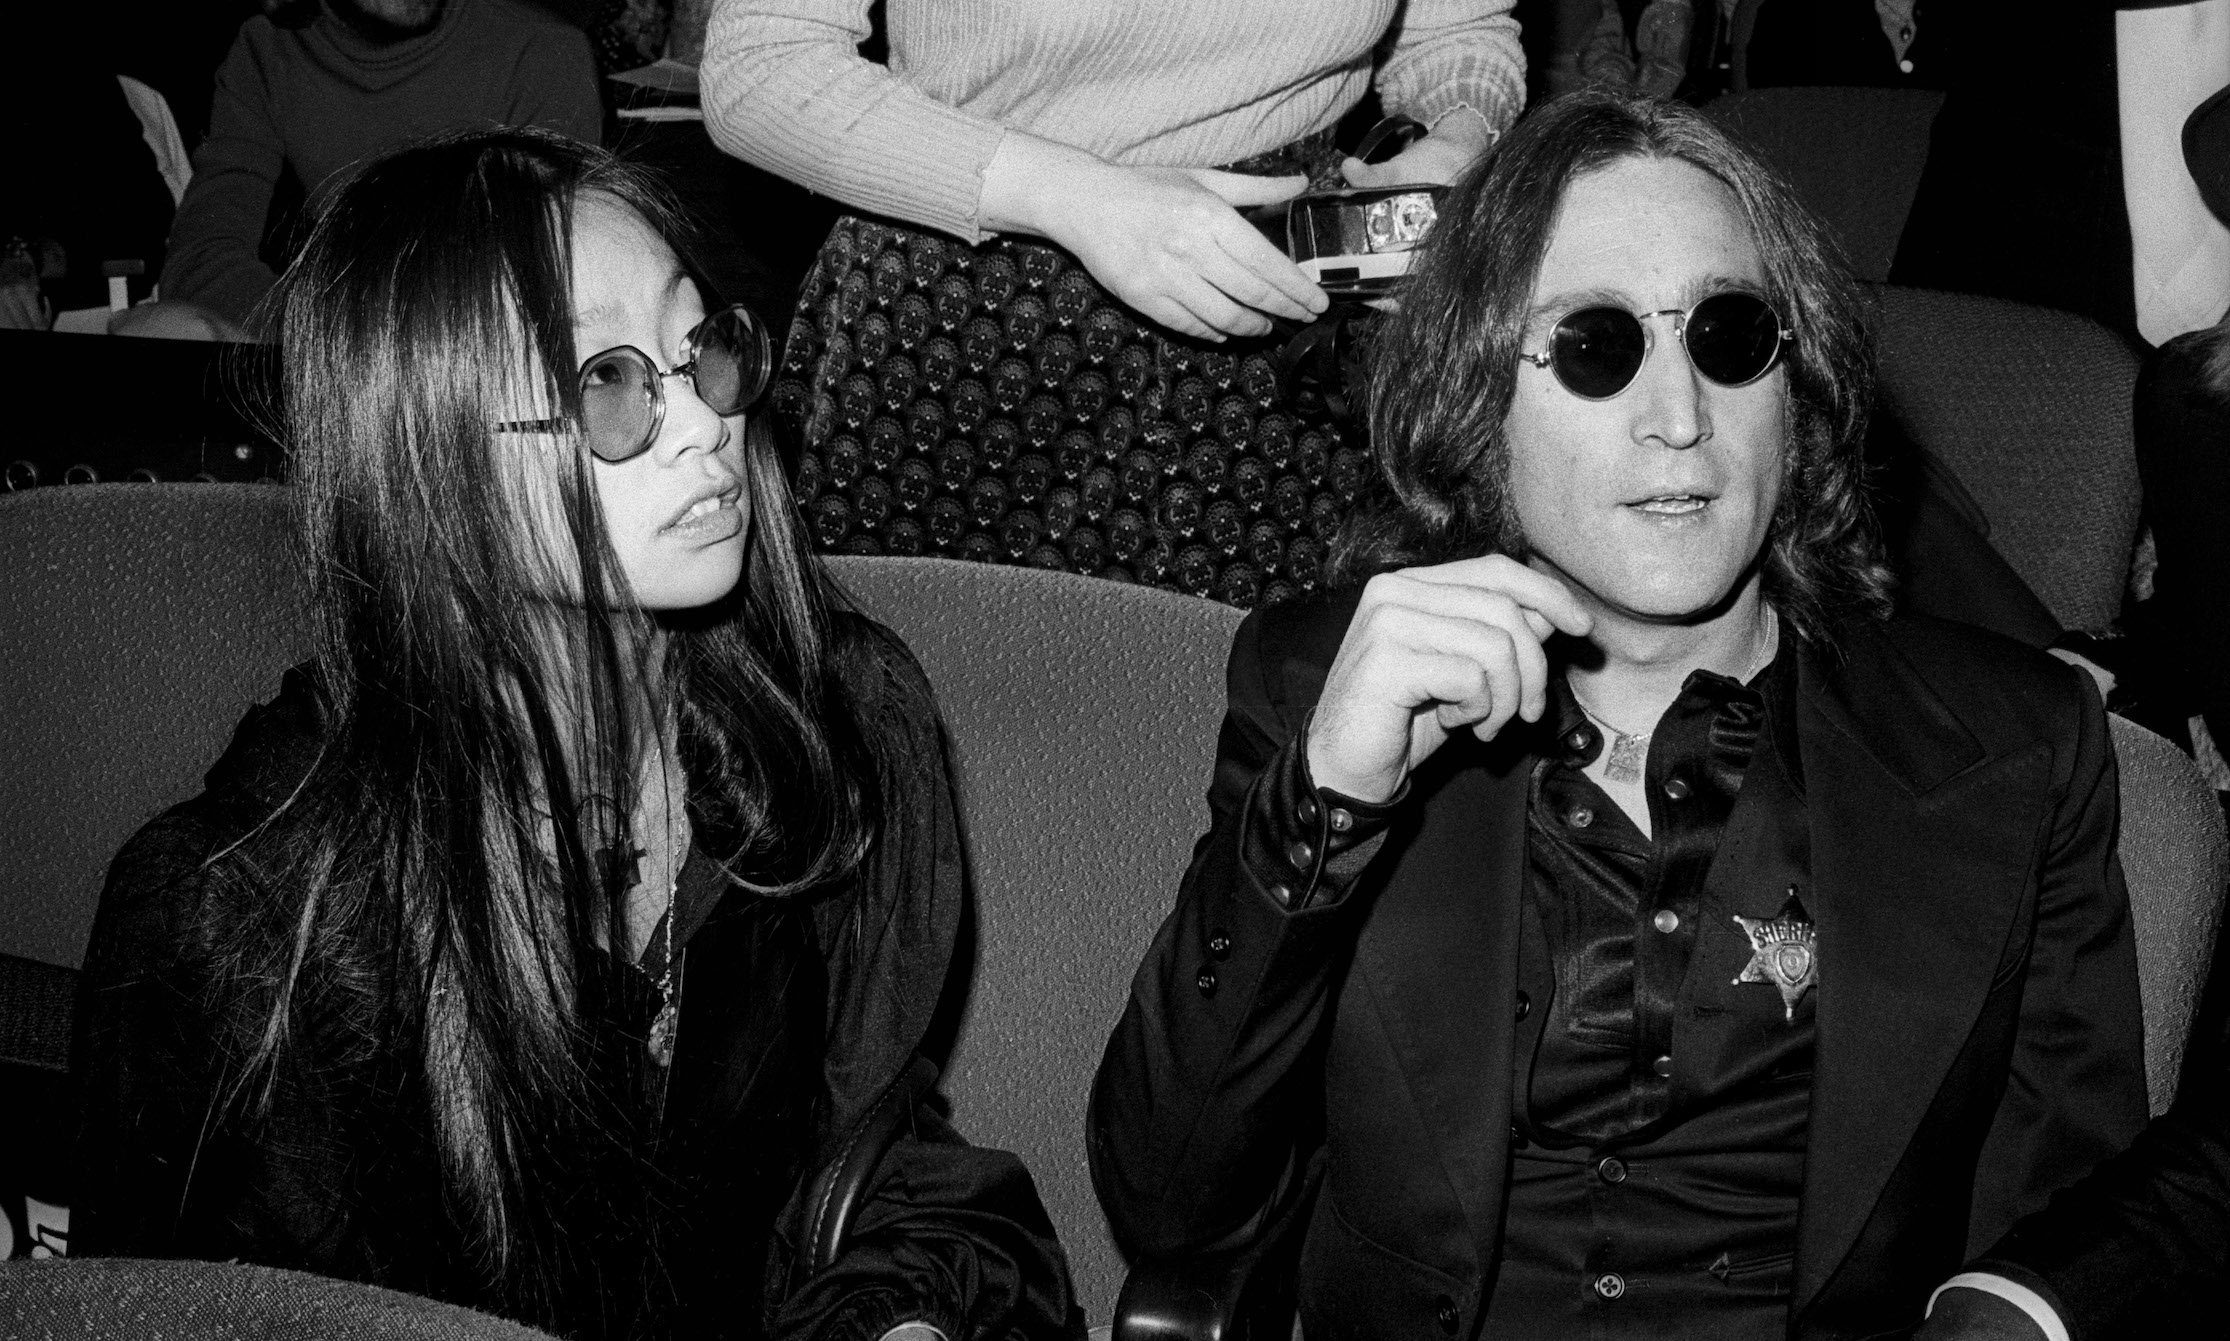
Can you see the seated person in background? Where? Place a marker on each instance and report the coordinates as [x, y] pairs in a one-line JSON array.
[[2142, 1245], [356, 79], [532, 948], [1625, 922]]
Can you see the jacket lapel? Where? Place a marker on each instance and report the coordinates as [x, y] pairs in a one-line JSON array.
[[1920, 855], [1439, 957]]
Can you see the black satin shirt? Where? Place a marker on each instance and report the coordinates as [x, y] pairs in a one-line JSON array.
[[1660, 1108]]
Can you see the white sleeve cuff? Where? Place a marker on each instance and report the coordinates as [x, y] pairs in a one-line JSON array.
[[922, 1331], [2020, 1296]]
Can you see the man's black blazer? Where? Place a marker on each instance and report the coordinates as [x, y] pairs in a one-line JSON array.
[[1979, 1041]]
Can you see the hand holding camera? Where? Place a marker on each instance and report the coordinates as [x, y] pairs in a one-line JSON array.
[[1168, 241]]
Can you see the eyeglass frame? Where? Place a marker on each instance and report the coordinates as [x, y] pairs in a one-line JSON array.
[[1783, 338], [687, 367]]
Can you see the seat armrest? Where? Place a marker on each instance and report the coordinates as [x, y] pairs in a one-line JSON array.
[[1229, 1292], [1193, 1298], [843, 1184]]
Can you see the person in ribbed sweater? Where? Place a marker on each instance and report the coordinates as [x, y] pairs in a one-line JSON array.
[[1051, 345]]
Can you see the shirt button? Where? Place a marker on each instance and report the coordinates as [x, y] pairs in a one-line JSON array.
[[1444, 1313], [1580, 817], [1305, 810], [1341, 820], [1666, 921], [1283, 894], [1525, 1005], [1906, 66], [1676, 787], [1610, 1285], [1662, 1066], [1300, 854], [1905, 34], [1206, 982], [1219, 946], [1611, 1170]]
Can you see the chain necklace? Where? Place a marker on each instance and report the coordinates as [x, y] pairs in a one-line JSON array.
[[1629, 751], [667, 1023]]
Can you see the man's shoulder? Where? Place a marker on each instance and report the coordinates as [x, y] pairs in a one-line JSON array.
[[2000, 688]]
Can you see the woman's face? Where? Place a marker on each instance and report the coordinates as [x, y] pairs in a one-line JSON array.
[[677, 516]]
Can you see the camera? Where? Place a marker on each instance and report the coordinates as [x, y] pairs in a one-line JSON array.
[[1354, 243]]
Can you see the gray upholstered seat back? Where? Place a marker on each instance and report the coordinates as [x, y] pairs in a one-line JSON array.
[[2031, 409], [133, 1300], [2177, 861], [1853, 155], [137, 623], [1082, 716]]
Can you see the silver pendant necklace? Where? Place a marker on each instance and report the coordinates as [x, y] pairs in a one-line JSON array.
[[1628, 754], [667, 1024]]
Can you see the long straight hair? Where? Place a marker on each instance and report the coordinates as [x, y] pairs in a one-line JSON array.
[[1444, 371], [432, 894]]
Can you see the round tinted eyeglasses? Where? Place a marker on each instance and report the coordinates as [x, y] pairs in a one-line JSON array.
[[727, 357], [1732, 338]]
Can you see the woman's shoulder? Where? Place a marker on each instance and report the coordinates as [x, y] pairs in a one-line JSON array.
[[161, 870], [880, 673]]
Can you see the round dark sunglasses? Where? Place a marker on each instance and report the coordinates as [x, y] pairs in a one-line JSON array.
[[727, 357], [1732, 338]]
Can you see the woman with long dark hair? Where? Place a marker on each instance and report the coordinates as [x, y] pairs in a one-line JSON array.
[[597, 876]]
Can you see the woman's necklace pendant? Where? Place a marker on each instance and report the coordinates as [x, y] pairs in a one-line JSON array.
[[1628, 754], [662, 1031]]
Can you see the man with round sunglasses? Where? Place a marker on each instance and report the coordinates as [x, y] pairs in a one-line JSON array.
[[1618, 917]]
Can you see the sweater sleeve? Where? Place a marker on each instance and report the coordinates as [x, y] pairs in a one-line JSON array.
[[785, 88], [219, 227], [1455, 53]]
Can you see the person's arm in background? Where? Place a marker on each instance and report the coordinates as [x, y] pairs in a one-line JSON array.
[[213, 263], [554, 85], [786, 89], [2170, 58], [1456, 66]]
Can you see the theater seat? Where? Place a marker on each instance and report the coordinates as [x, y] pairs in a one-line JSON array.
[[1853, 155], [121, 1299], [2031, 409], [1082, 716]]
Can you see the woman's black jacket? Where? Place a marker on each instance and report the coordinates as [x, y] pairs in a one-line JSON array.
[[795, 1016]]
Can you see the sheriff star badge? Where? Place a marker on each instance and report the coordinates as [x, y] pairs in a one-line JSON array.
[[1784, 951]]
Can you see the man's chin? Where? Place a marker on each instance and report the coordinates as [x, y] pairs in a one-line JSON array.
[[1675, 600]]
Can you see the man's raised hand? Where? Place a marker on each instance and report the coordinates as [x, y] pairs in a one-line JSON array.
[[1429, 652]]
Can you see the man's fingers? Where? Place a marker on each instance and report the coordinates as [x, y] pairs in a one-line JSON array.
[[1396, 600], [1511, 670], [1536, 591]]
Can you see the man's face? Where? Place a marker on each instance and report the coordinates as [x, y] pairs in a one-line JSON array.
[[1654, 502]]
